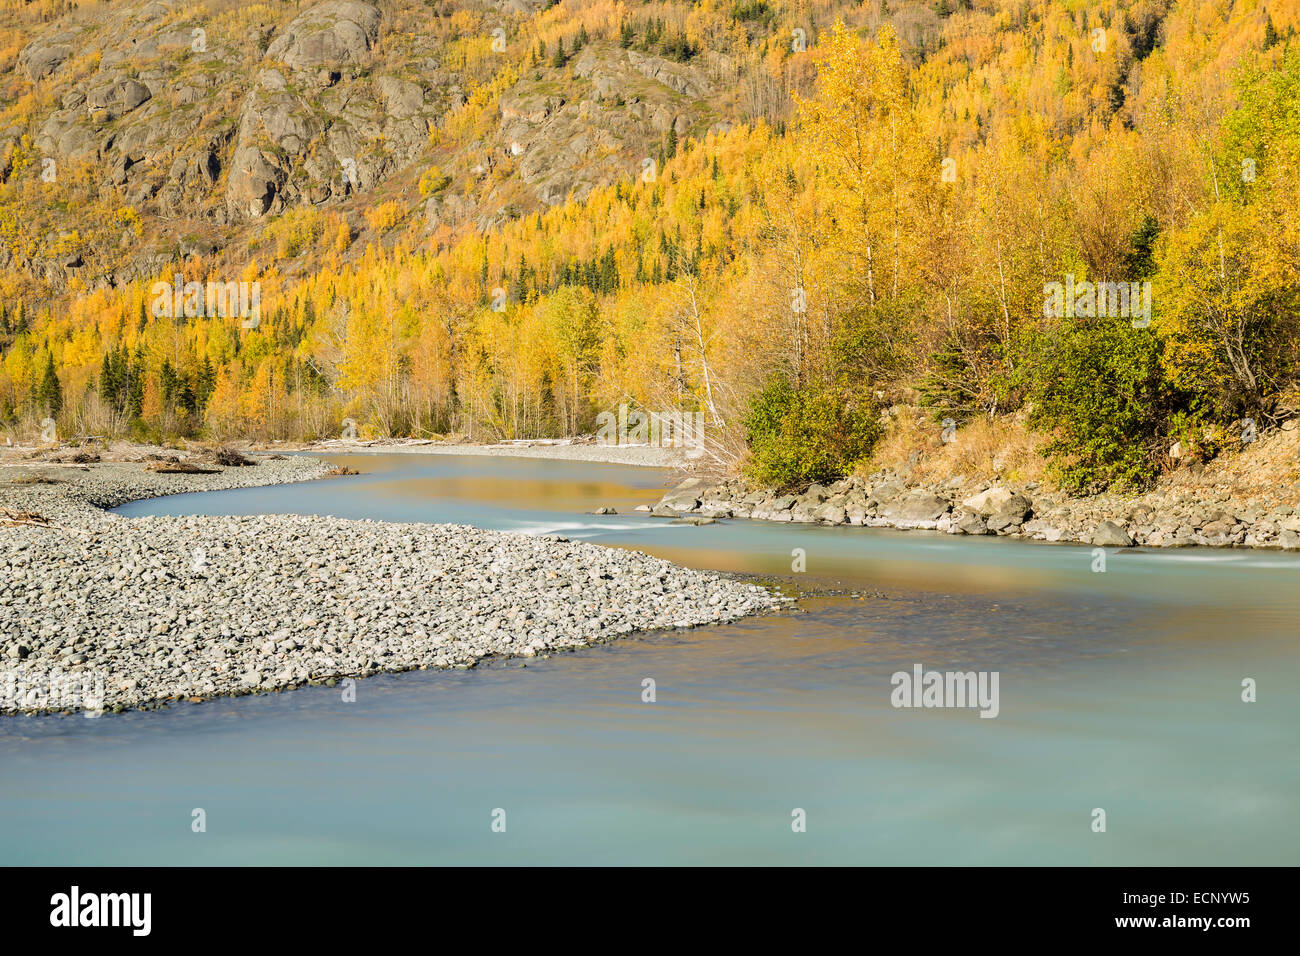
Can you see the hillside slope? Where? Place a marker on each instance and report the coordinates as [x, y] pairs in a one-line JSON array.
[[186, 123]]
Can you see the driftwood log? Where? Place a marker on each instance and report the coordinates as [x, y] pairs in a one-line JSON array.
[[180, 468]]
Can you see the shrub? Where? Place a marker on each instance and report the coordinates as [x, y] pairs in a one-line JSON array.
[[1097, 388], [434, 180], [797, 436]]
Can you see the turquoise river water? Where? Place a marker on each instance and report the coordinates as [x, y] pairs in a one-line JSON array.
[[1119, 691]]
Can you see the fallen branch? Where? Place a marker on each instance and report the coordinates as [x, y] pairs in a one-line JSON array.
[[12, 518], [18, 519], [180, 468]]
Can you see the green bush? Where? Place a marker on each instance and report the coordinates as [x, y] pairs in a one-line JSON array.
[[798, 436], [1097, 388]]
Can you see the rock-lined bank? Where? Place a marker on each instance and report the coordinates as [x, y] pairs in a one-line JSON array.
[[102, 611], [1169, 518]]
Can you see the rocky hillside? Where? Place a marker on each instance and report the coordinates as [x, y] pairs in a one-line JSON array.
[[186, 126]]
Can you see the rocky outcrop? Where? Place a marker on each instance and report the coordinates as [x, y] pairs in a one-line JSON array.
[[564, 147], [334, 35], [309, 126], [681, 79], [44, 55]]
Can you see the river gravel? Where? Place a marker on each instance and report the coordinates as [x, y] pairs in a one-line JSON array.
[[102, 613]]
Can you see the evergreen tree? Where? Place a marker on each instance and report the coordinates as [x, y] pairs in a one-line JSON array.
[[1139, 260], [49, 394], [1270, 32]]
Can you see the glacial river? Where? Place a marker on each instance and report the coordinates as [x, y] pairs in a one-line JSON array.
[[1118, 691]]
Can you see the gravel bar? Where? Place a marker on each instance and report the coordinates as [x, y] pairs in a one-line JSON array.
[[101, 613]]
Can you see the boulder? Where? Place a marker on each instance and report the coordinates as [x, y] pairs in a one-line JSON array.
[[1110, 535], [816, 492], [1217, 529], [1039, 529], [831, 513], [697, 485], [680, 503], [886, 491], [254, 182], [989, 501], [803, 511], [918, 507], [1011, 514], [402, 99]]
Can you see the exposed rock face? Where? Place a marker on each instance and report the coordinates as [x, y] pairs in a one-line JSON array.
[[147, 113], [307, 125], [330, 35], [44, 55], [206, 122], [675, 76], [222, 126], [568, 147]]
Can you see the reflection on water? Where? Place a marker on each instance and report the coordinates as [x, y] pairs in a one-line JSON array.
[[1118, 690]]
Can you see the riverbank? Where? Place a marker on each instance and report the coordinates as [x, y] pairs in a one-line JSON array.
[[104, 613], [563, 449], [1248, 500]]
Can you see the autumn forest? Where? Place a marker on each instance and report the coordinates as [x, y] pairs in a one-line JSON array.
[[874, 217]]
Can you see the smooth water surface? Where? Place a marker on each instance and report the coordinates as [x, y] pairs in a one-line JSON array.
[[1118, 690]]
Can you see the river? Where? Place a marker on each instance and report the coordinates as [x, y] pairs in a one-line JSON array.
[[1119, 691]]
